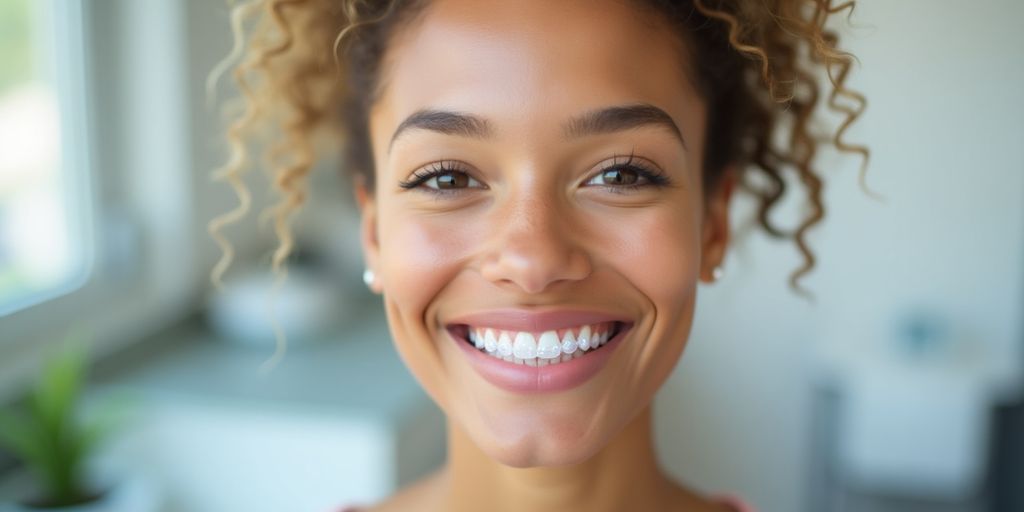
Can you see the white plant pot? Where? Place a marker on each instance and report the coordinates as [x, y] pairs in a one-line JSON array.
[[132, 494]]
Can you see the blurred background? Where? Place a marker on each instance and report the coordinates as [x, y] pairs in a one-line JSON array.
[[897, 388]]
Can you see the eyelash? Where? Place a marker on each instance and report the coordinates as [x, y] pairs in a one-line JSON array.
[[652, 176], [433, 170]]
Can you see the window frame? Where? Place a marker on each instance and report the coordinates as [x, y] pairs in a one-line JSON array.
[[63, 43], [135, 181]]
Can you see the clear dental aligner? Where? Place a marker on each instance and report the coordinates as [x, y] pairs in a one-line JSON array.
[[543, 348]]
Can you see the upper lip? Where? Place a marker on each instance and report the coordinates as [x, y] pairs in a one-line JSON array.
[[536, 321]]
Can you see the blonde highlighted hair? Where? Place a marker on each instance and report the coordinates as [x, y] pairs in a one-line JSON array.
[[304, 67]]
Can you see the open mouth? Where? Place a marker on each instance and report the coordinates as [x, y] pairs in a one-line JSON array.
[[539, 348]]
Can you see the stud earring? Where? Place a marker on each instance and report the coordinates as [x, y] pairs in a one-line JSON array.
[[369, 278], [717, 273]]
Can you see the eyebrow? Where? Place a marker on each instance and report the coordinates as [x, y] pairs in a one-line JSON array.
[[620, 118], [446, 122], [596, 122]]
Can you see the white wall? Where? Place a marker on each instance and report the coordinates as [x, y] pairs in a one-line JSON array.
[[946, 128]]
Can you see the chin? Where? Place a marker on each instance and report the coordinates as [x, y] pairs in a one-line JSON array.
[[541, 437]]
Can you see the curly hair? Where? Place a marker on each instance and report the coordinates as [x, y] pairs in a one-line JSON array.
[[307, 67]]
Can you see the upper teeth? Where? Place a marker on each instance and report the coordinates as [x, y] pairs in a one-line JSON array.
[[539, 349]]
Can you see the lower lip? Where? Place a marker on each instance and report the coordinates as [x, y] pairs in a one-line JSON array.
[[552, 378]]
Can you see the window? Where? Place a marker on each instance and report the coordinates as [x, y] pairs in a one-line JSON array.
[[104, 242], [44, 213]]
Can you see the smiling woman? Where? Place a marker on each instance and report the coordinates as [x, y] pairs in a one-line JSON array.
[[542, 185]]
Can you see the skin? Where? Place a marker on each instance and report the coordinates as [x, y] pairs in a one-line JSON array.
[[537, 228]]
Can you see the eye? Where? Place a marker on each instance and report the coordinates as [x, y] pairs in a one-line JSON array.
[[628, 175], [441, 177], [616, 176], [450, 180]]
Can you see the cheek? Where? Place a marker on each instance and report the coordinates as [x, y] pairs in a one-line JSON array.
[[420, 255], [659, 253]]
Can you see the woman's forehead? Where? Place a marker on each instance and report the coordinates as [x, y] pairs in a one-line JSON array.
[[531, 62]]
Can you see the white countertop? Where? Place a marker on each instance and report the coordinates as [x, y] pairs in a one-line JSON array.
[[355, 372]]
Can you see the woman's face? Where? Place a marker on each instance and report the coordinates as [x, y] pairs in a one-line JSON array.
[[538, 176]]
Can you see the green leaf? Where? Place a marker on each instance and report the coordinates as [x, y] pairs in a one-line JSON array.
[[47, 435], [58, 389], [18, 435]]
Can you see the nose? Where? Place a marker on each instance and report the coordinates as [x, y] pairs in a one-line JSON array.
[[533, 246]]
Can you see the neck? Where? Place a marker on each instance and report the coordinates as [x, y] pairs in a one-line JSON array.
[[624, 475]]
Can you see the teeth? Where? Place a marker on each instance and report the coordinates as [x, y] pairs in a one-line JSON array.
[[585, 338], [548, 346], [504, 345], [490, 342], [524, 347], [540, 349], [569, 343]]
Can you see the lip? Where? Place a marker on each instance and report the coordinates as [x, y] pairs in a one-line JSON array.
[[536, 321], [525, 379]]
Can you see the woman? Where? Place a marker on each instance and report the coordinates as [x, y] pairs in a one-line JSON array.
[[542, 185]]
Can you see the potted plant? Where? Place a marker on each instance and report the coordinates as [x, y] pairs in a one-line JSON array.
[[47, 432]]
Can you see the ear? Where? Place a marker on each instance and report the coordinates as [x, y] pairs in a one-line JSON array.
[[715, 231], [368, 228]]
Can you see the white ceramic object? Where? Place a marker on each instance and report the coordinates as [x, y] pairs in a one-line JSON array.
[[911, 424], [915, 431], [307, 306]]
